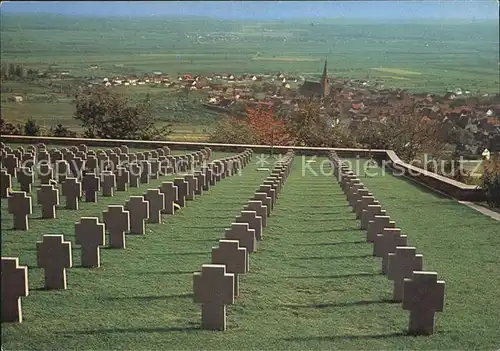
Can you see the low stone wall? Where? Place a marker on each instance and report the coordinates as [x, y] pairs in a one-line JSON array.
[[457, 190], [450, 187]]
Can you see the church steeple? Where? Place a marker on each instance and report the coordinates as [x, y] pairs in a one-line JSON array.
[[324, 81]]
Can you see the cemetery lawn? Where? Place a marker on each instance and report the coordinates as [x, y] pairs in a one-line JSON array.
[[313, 284]]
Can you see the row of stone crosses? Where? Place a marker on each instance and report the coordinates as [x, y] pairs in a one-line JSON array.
[[54, 253], [95, 180], [217, 285], [419, 291]]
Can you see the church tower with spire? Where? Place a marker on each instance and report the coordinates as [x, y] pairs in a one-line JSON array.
[[325, 88]]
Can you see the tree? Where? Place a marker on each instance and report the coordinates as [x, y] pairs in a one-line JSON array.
[[31, 128], [7, 128], [266, 127], [232, 130], [108, 115], [310, 127]]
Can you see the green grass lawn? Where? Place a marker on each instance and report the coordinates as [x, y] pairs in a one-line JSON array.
[[313, 284]]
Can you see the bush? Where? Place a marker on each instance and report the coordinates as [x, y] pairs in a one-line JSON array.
[[31, 128], [62, 132], [491, 182]]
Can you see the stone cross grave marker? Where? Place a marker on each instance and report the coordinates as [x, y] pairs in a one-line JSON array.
[[214, 289], [62, 170], [270, 193], [28, 160], [89, 233], [377, 225], [26, 178], [234, 257], [135, 174], [265, 199], [122, 179], [257, 206], [20, 206], [216, 170], [363, 204], [352, 191], [182, 191], [55, 155], [108, 183], [209, 176], [5, 182], [357, 196], [401, 264], [72, 190], [92, 164], [11, 163], [423, 297], [53, 254], [145, 172], [83, 147], [193, 183], [369, 213], [275, 182], [91, 185], [386, 243], [124, 149], [156, 201], [14, 285], [139, 213], [200, 184], [155, 168], [45, 172], [117, 222], [48, 197], [254, 222], [244, 234], [169, 191]]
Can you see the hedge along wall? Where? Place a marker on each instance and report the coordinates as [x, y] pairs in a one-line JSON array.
[[449, 187]]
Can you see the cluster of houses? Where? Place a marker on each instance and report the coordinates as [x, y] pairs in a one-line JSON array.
[[353, 102]]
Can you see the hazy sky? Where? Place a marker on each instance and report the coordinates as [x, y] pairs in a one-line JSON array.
[[403, 9]]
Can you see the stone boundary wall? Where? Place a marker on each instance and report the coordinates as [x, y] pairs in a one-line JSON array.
[[450, 187]]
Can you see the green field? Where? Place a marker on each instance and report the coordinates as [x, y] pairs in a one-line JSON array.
[[313, 284], [444, 54]]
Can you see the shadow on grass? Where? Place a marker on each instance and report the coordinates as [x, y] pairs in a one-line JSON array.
[[334, 230], [151, 297], [343, 304], [179, 253], [328, 205], [346, 337], [226, 218], [335, 219], [331, 257], [208, 227], [165, 272], [131, 330], [197, 240], [333, 276], [335, 243]]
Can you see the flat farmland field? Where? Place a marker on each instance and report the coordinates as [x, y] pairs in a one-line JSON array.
[[445, 54]]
